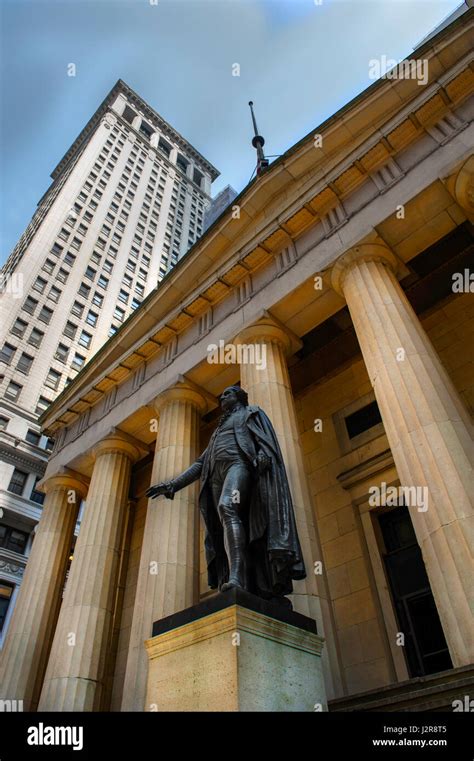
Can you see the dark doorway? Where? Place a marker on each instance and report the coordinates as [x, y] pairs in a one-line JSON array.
[[425, 645]]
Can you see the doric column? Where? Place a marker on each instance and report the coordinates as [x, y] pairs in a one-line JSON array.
[[30, 634], [168, 578], [268, 385], [75, 675], [426, 425]]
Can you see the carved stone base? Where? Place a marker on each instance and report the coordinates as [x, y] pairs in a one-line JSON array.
[[235, 652]]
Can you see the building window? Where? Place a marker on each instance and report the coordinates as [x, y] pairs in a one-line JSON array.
[[76, 243], [12, 539], [85, 339], [363, 419], [135, 303], [54, 294], [62, 275], [48, 266], [164, 147], [42, 405], [77, 308], [103, 282], [112, 330], [84, 290], [24, 363], [92, 318], [37, 496], [119, 313], [62, 352], [6, 593], [78, 361], [19, 327], [70, 329], [17, 482], [123, 296], [33, 437], [45, 315], [13, 391], [4, 422], [90, 273], [97, 299], [36, 336], [7, 353], [30, 305], [40, 284], [69, 259], [53, 379]]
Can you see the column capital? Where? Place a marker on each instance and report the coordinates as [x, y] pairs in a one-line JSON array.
[[118, 441], [366, 252], [184, 390], [65, 479], [461, 186], [268, 329]]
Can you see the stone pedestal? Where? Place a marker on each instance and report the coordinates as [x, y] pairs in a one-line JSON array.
[[235, 652]]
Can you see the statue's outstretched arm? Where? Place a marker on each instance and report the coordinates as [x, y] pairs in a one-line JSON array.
[[169, 488]]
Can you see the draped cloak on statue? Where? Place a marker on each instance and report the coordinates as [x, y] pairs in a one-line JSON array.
[[275, 556]]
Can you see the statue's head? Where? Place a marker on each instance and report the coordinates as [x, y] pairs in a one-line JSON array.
[[231, 396]]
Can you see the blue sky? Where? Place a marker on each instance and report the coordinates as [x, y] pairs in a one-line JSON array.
[[299, 62]]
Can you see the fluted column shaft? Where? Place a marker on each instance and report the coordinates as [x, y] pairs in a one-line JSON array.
[[427, 427], [75, 675], [30, 634], [269, 387], [168, 578]]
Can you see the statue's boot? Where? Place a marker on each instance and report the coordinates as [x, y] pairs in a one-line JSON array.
[[235, 547]]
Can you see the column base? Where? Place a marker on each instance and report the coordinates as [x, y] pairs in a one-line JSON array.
[[235, 652]]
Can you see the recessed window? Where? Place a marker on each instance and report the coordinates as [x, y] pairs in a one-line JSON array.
[[164, 147], [33, 437], [119, 313], [363, 419], [7, 353], [19, 327], [69, 258], [92, 318], [17, 481], [48, 266], [78, 361], [13, 391], [36, 495], [84, 290], [103, 282], [53, 379], [54, 294], [97, 299], [90, 273], [36, 336], [62, 352], [30, 305], [129, 114], [12, 539], [42, 405], [40, 284], [4, 422], [24, 363], [77, 308], [45, 315], [85, 339], [62, 275]]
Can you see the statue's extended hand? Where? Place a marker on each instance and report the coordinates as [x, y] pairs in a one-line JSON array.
[[263, 462], [165, 487]]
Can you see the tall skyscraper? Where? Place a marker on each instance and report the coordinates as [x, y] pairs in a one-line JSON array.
[[126, 202]]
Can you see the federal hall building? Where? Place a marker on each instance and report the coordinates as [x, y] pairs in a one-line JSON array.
[[343, 266]]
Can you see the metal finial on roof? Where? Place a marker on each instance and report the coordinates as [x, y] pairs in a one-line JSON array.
[[258, 142]]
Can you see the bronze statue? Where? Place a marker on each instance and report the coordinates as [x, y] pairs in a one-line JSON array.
[[251, 538]]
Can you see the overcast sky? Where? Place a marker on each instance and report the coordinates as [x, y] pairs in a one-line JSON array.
[[299, 61]]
